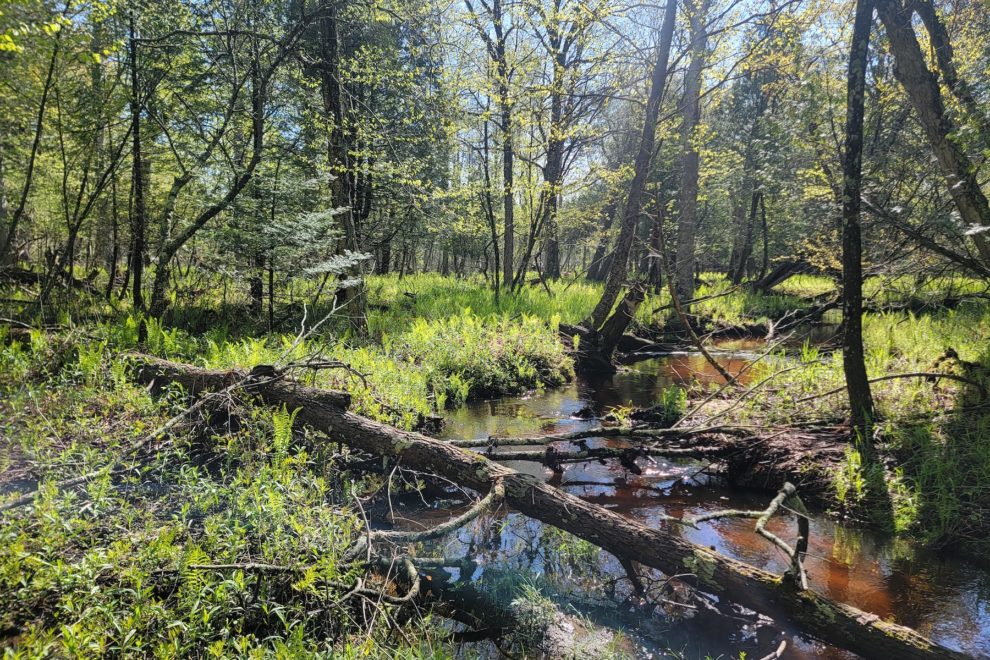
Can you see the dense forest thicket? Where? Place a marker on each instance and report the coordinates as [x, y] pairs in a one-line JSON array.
[[255, 254]]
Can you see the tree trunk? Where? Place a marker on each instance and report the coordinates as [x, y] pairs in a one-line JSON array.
[[687, 223], [343, 182], [599, 261], [508, 153], [765, 265], [853, 363], [137, 181], [663, 549], [923, 90], [553, 171], [744, 248], [942, 46], [641, 171]]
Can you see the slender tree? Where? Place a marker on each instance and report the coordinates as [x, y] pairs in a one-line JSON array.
[[641, 170], [687, 222], [853, 362]]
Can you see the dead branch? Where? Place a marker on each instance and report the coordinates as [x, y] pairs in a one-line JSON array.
[[602, 432], [836, 623], [494, 496], [788, 492], [914, 374]]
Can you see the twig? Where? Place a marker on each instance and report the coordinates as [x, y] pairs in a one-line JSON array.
[[494, 496], [913, 374], [762, 518], [601, 432]]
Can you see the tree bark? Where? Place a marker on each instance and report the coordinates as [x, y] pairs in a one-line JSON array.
[[687, 223], [942, 46], [853, 362], [599, 261], [641, 171], [338, 155], [138, 211], [926, 97], [663, 549], [744, 246]]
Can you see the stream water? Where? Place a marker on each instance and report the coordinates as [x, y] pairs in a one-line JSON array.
[[945, 598]]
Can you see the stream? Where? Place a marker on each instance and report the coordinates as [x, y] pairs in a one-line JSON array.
[[945, 598]]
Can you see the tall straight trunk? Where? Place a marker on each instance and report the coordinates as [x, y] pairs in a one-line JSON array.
[[687, 223], [384, 258], [342, 185], [489, 209], [5, 258], [553, 171], [137, 179], [744, 251], [765, 266], [655, 268], [508, 157], [641, 171], [508, 252], [114, 239], [853, 362], [926, 97]]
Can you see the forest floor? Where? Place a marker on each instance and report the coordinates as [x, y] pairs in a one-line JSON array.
[[104, 568]]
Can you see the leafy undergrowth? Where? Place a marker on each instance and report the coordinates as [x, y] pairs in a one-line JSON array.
[[111, 568], [933, 430], [106, 569], [398, 302]]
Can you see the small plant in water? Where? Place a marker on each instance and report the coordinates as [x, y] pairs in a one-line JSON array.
[[673, 403]]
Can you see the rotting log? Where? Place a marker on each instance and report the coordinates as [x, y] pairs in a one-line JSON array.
[[835, 623]]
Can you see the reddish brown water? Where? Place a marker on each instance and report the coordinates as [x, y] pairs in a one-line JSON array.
[[945, 598]]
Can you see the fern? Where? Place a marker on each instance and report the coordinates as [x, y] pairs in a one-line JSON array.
[[282, 421]]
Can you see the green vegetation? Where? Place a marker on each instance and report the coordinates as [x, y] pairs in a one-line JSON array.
[[935, 429], [412, 202], [225, 492], [108, 571]]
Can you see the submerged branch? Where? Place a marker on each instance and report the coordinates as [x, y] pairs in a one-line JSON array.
[[651, 546]]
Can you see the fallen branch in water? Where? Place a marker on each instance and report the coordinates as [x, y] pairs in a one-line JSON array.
[[602, 432], [659, 548], [788, 492], [495, 496], [555, 458]]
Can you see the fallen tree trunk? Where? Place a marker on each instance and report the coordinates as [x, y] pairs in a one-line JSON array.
[[835, 623], [806, 457]]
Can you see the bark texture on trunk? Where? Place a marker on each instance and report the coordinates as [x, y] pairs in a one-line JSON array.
[[687, 223], [926, 97], [641, 171], [663, 549], [853, 360]]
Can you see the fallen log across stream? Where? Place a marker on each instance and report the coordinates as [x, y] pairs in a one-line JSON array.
[[663, 549]]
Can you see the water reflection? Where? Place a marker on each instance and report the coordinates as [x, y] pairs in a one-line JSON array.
[[944, 598]]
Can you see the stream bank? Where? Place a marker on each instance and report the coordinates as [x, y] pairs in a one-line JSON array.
[[943, 597]]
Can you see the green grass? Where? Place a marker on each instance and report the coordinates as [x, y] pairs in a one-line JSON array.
[[434, 297], [943, 459], [79, 572]]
